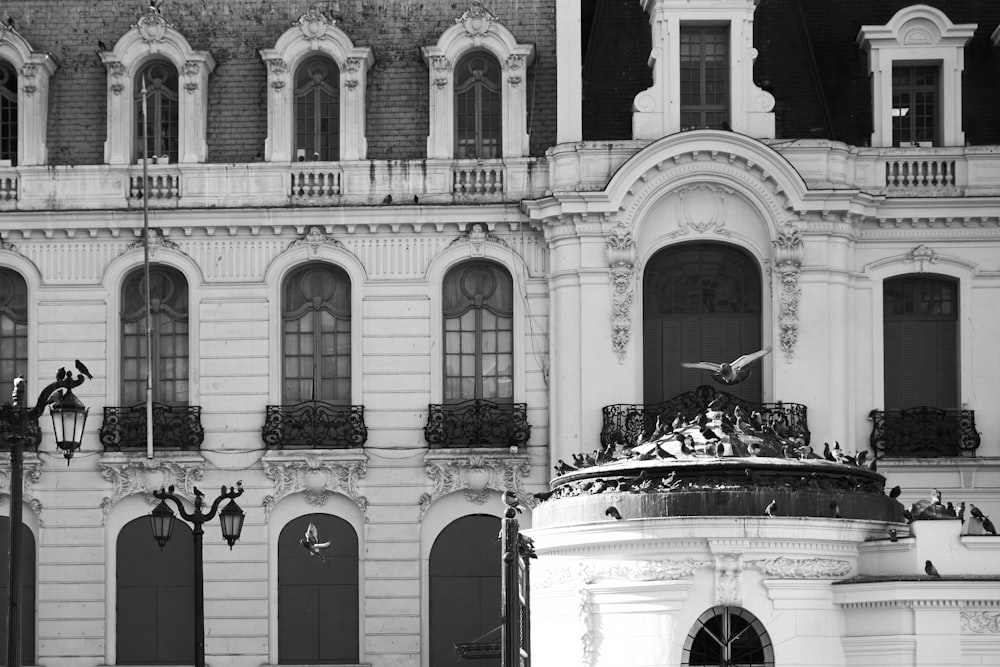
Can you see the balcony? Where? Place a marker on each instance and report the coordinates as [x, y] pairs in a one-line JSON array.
[[176, 427], [624, 423], [923, 432], [477, 423], [314, 425]]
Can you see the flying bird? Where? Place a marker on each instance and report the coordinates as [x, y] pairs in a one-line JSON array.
[[83, 369], [931, 570], [729, 373], [312, 544], [613, 513]]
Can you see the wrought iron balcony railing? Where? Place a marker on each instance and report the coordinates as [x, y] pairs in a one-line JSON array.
[[10, 428], [477, 423], [174, 427], [314, 424], [624, 423], [923, 432]]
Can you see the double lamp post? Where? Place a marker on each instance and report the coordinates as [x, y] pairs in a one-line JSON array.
[[19, 427]]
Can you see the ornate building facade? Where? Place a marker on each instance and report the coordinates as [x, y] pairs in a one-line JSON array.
[[406, 256]]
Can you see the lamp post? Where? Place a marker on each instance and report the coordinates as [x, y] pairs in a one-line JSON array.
[[231, 517], [68, 419]]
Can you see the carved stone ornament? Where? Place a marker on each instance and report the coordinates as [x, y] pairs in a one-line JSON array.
[[137, 475], [315, 239], [316, 477], [703, 207], [980, 622], [476, 475], [156, 241], [621, 260], [921, 256], [442, 70], [31, 473], [314, 24], [801, 568], [788, 248], [728, 587], [476, 19], [546, 575], [477, 235], [151, 26]]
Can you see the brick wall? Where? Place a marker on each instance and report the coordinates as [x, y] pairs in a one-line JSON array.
[[235, 31]]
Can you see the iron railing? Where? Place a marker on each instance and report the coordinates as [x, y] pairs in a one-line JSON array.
[[624, 423], [923, 432], [315, 425], [174, 427], [477, 423]]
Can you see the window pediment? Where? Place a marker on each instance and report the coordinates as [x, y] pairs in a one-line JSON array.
[[153, 38]]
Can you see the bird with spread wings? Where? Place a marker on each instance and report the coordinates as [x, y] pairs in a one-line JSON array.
[[729, 373], [312, 544]]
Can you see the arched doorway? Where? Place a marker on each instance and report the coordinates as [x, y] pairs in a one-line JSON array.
[[701, 302], [465, 588], [728, 637]]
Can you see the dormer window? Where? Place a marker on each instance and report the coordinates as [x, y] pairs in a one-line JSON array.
[[161, 111], [477, 106], [8, 114], [24, 100], [915, 102], [317, 126], [704, 77]]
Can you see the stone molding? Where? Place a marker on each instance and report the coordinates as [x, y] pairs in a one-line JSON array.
[[31, 474], [621, 272], [980, 622], [788, 251], [134, 474], [801, 568], [476, 475], [316, 475]]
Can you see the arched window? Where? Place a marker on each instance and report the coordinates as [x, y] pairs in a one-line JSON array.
[[168, 305], [161, 111], [316, 335], [701, 302], [921, 341], [8, 113], [155, 596], [13, 325], [477, 106], [478, 309], [318, 606], [728, 637], [317, 110], [27, 588], [464, 588]]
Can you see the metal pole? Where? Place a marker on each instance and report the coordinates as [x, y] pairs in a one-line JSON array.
[[145, 268], [199, 593], [14, 581]]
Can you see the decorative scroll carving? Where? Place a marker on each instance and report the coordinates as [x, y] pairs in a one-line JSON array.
[[921, 256], [801, 568], [132, 475], [476, 476], [31, 473], [621, 260], [279, 70], [316, 477], [351, 68], [315, 239], [156, 241], [980, 622], [477, 235], [477, 19], [117, 71], [152, 26], [587, 645], [728, 587], [314, 24], [788, 249], [544, 575], [442, 70], [703, 213]]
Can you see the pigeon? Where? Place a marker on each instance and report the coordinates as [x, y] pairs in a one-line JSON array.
[[543, 495], [312, 544], [988, 526], [895, 491], [960, 512], [730, 373], [771, 508], [83, 369], [861, 457], [931, 570], [613, 512], [511, 500], [983, 519], [893, 535], [563, 467], [387, 199], [416, 199], [835, 508], [936, 497], [61, 374], [827, 454]]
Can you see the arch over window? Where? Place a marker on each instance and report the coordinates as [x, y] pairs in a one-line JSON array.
[[464, 596], [153, 39], [168, 300], [295, 55], [27, 588], [477, 30], [159, 111], [13, 324], [701, 302], [155, 596], [728, 637], [316, 334], [318, 604], [478, 313], [24, 99], [920, 333]]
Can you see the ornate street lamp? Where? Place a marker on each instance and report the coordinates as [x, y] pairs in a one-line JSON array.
[[68, 419], [161, 520]]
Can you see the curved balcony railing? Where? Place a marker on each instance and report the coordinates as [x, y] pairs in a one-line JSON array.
[[314, 425], [624, 423], [923, 432], [174, 427], [477, 423]]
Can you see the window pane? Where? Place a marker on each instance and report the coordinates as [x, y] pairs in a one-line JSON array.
[[317, 110], [704, 77]]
